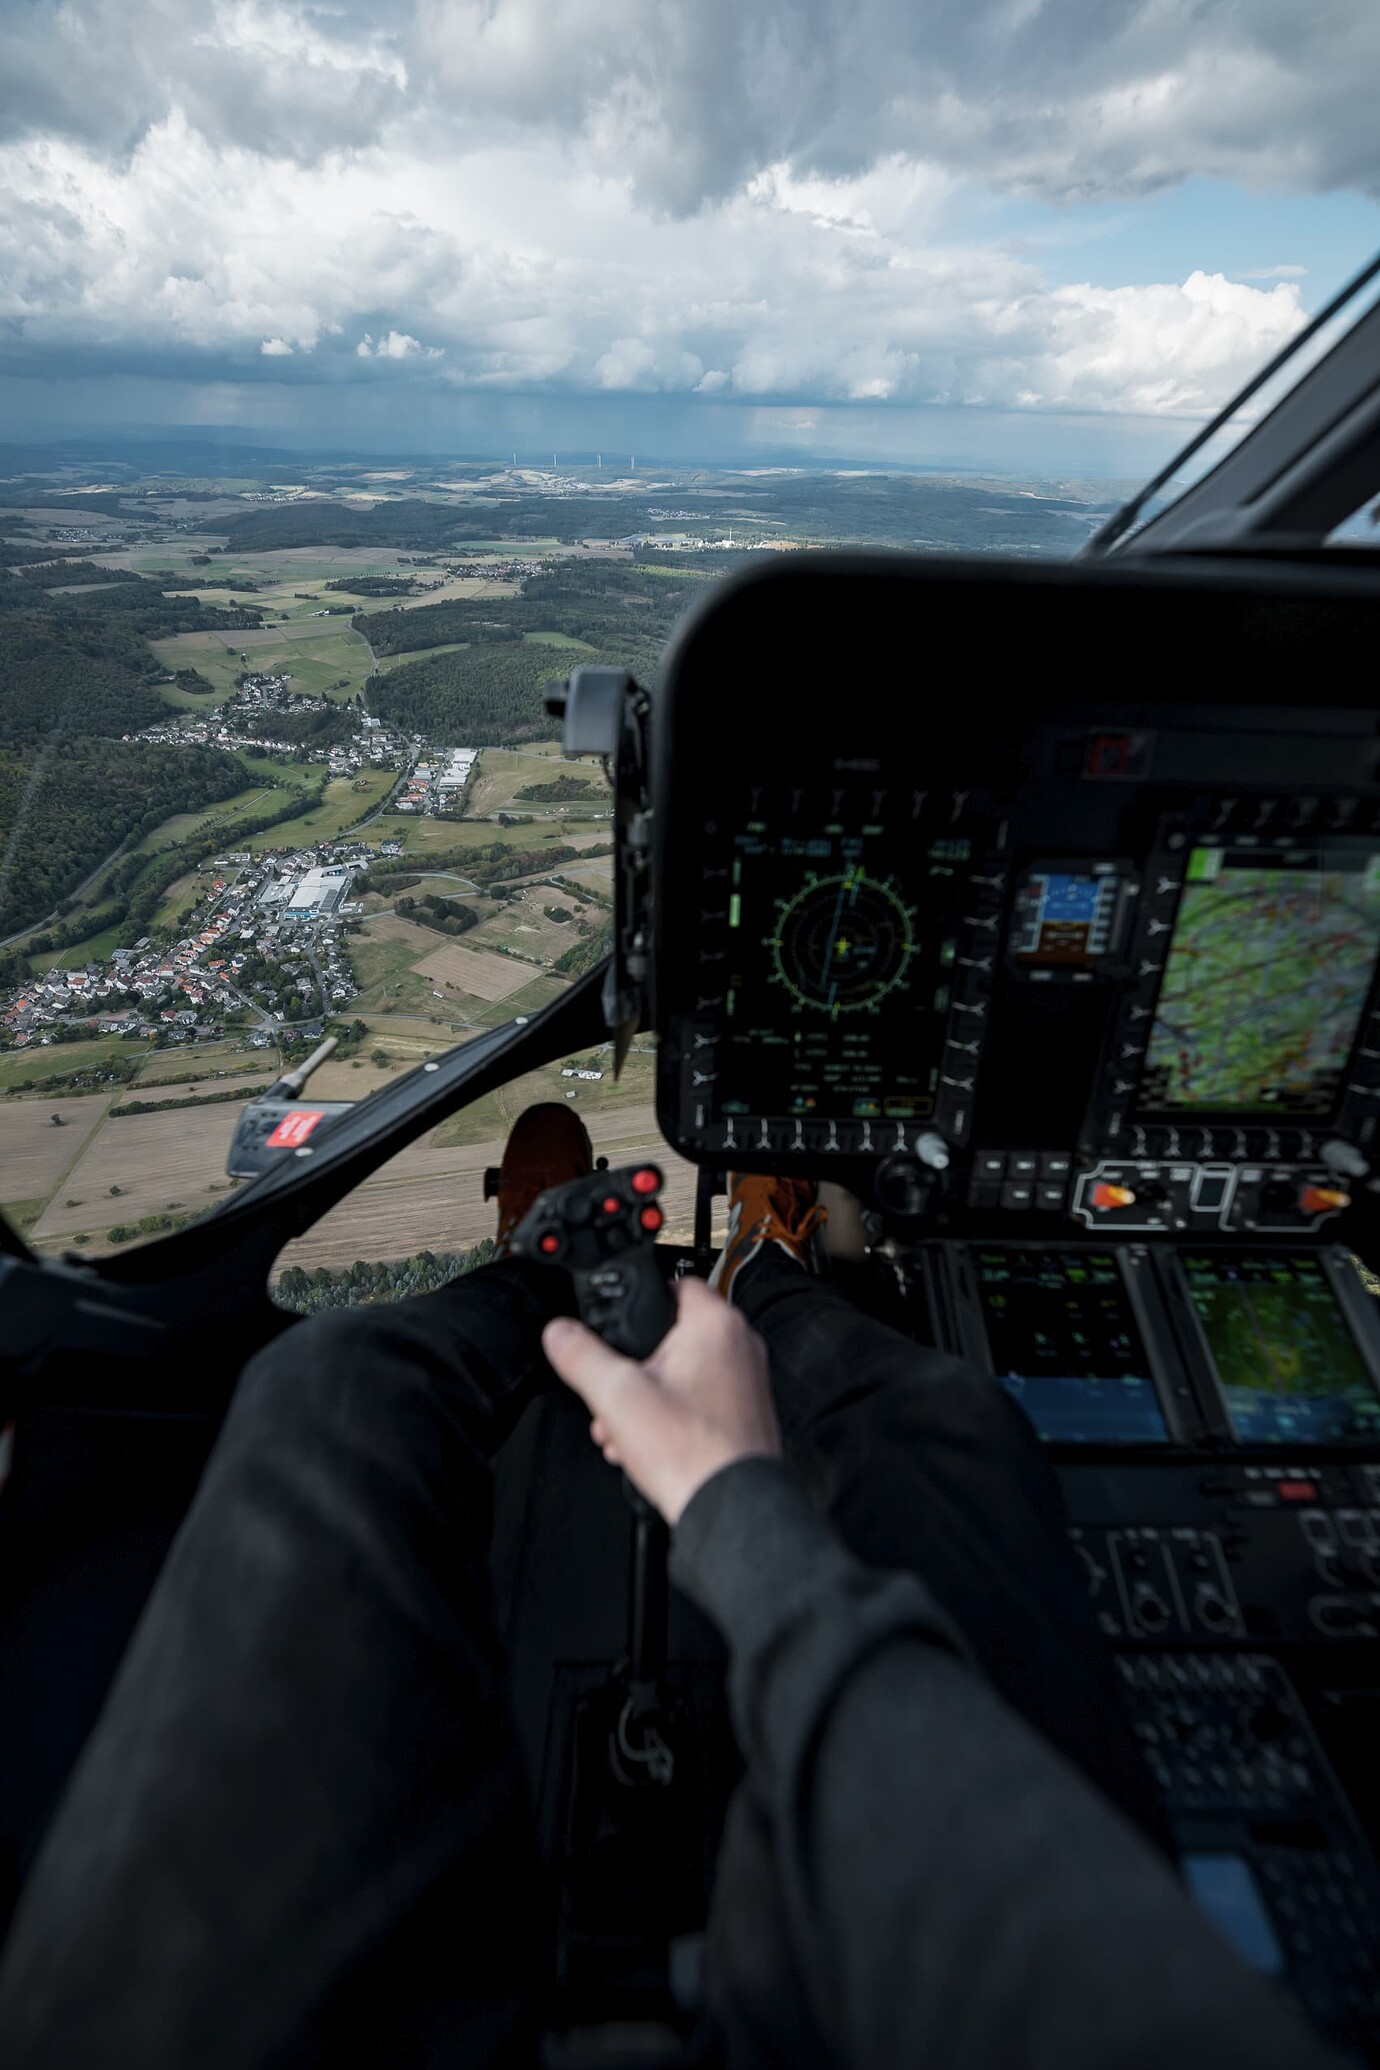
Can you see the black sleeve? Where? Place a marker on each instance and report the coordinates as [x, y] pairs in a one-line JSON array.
[[956, 1892]]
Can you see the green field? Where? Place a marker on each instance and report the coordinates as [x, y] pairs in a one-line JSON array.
[[260, 797], [40, 1061], [323, 657], [93, 949], [387, 662], [495, 1114], [176, 1066], [348, 799]]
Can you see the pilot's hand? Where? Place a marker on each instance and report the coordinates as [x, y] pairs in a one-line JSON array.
[[702, 1400]]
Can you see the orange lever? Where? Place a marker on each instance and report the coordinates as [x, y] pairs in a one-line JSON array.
[[1105, 1196], [1321, 1200]]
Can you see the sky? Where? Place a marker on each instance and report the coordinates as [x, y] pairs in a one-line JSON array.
[[1019, 235]]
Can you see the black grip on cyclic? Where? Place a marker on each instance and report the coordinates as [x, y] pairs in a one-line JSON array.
[[601, 1231]]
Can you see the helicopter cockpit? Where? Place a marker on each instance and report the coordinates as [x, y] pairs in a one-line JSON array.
[[1036, 908]]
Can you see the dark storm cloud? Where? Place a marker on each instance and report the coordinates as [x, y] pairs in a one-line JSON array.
[[741, 201], [295, 81], [1062, 98]]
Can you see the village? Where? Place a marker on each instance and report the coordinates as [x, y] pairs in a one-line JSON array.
[[265, 943]]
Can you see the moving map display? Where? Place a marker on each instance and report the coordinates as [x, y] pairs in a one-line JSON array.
[[1065, 1345], [1288, 1367], [1268, 972]]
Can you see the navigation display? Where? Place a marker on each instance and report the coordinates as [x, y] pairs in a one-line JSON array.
[[837, 997], [1289, 1369], [1269, 968], [1065, 1344]]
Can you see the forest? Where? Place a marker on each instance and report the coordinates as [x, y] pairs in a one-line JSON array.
[[606, 603], [392, 1280], [76, 673], [479, 697], [65, 812], [492, 690], [446, 915], [584, 955]]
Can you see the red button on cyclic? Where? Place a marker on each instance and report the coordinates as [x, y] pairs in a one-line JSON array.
[[611, 1204], [650, 1218], [646, 1180], [550, 1243]]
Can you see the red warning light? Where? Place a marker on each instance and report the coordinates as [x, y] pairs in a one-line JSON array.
[[650, 1218], [550, 1243], [611, 1204], [646, 1180]]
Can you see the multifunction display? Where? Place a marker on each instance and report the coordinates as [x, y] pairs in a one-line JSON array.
[[838, 992], [1269, 967], [1066, 918], [1288, 1367], [1065, 1344]]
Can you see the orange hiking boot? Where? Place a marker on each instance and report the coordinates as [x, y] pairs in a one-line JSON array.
[[547, 1146], [765, 1209]]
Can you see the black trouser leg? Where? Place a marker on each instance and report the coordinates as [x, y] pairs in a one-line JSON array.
[[921, 1464], [300, 1831]]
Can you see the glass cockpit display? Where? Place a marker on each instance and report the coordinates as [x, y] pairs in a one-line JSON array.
[[1289, 1369], [1066, 919], [1268, 971], [837, 994], [1065, 1344]]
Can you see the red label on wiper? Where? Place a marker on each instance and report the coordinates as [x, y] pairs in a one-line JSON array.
[[294, 1129]]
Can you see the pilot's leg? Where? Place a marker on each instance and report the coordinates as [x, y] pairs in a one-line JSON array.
[[300, 1829], [923, 1463]]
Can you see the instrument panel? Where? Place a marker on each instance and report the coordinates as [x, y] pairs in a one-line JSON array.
[[1040, 907], [1062, 954], [1101, 963]]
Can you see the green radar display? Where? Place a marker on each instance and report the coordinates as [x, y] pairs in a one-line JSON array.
[[842, 943], [836, 993]]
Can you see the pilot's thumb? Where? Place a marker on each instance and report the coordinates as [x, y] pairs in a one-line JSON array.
[[611, 1386]]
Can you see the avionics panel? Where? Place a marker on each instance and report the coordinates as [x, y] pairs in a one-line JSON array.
[[846, 945], [1285, 1355], [1073, 954], [1270, 964], [837, 1001], [1064, 1338]]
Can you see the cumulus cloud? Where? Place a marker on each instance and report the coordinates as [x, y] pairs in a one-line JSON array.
[[396, 345], [749, 199]]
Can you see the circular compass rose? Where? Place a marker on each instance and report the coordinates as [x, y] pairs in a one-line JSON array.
[[842, 943]]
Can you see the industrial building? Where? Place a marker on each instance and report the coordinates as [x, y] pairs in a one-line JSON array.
[[319, 892]]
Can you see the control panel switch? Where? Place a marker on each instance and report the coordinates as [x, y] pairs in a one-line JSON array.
[[1323, 1200], [1104, 1195]]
